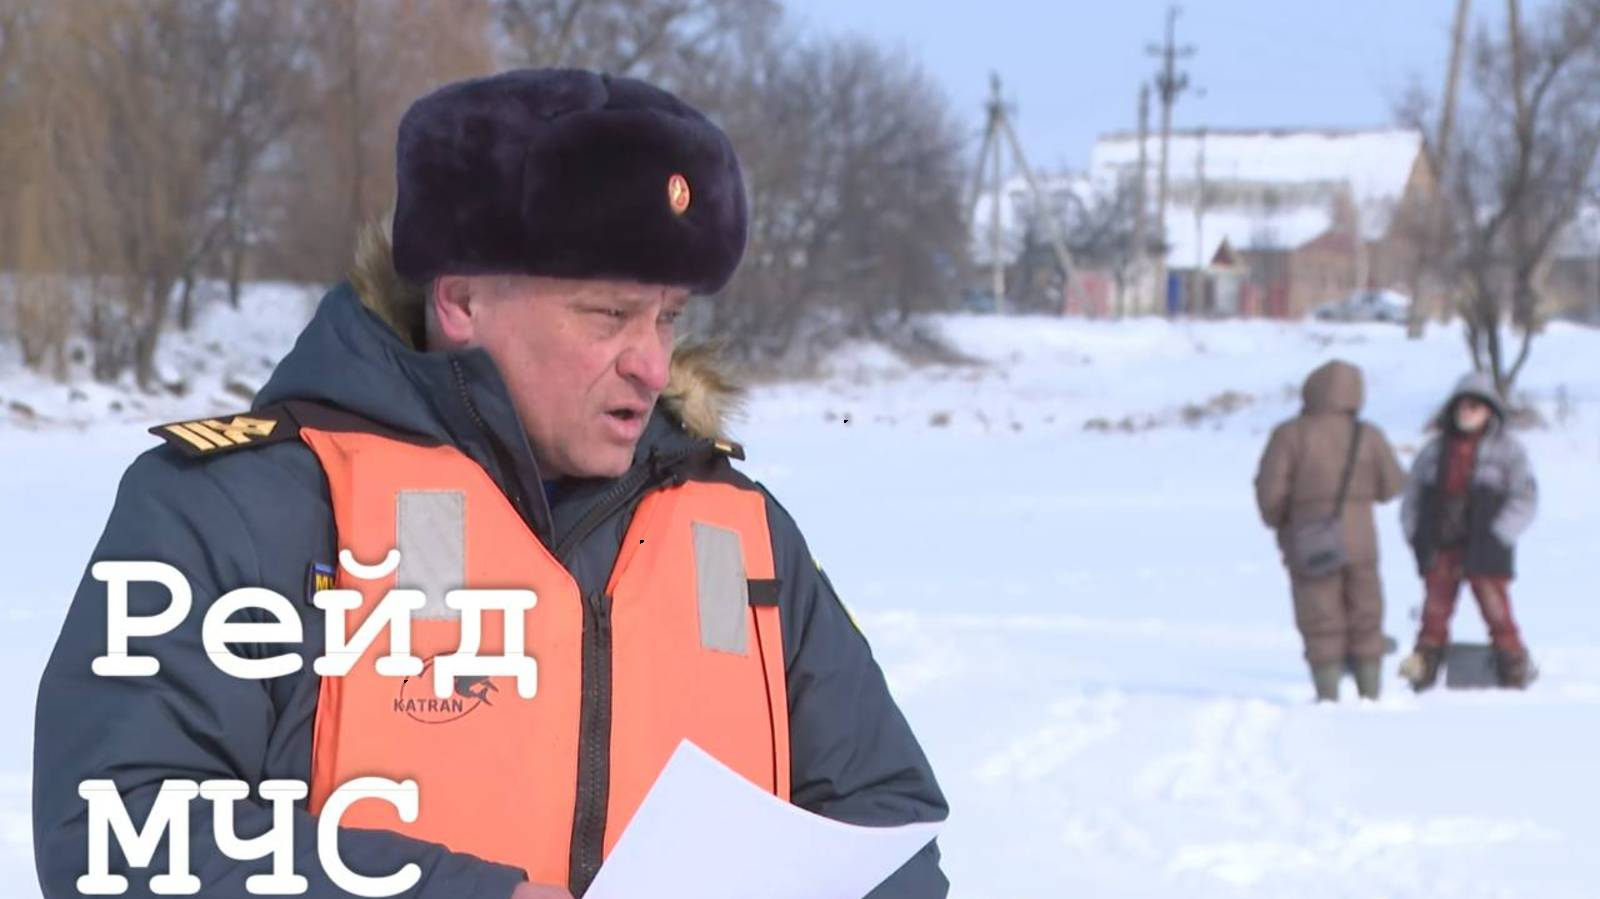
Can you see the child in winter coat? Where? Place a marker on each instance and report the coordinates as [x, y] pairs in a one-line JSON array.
[[1471, 495]]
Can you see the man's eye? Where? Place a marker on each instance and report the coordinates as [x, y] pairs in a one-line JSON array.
[[670, 318], [609, 311]]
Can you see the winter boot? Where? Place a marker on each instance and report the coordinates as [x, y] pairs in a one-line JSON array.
[[1369, 677], [1421, 668], [1515, 669], [1326, 677]]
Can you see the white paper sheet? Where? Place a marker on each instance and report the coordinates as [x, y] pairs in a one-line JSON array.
[[704, 832]]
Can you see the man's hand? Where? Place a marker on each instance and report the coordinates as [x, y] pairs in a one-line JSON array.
[[539, 891]]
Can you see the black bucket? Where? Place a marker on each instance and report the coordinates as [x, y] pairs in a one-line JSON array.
[[1470, 666]]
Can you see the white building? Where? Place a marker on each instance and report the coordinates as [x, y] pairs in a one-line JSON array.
[[1267, 188], [1279, 191]]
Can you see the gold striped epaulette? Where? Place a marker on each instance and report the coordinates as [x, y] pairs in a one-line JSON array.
[[205, 437]]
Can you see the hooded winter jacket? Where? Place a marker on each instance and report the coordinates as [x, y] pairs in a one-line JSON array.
[[261, 517], [1298, 478], [1502, 496]]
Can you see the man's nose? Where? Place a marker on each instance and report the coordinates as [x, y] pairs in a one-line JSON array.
[[647, 358]]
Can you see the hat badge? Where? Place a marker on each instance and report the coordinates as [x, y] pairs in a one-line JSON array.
[[678, 194]]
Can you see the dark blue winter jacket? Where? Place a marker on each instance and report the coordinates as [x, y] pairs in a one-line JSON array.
[[261, 517]]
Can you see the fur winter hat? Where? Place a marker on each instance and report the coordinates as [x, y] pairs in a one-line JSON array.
[[569, 174]]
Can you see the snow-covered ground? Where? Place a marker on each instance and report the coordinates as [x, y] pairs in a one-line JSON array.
[[1057, 559], [215, 367]]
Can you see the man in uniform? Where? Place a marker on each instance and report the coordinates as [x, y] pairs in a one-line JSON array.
[[497, 398]]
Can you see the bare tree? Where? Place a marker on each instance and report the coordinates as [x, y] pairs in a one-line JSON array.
[[855, 171], [1526, 156], [261, 67], [1106, 234], [369, 59], [142, 121], [673, 42], [160, 142], [50, 118], [852, 161]]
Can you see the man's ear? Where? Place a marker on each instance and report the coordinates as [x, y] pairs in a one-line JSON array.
[[452, 304]]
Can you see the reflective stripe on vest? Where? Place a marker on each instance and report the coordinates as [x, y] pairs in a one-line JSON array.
[[691, 658]]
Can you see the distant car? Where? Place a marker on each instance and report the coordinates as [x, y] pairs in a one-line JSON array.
[[1367, 306]]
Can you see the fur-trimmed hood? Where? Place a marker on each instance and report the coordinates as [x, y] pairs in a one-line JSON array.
[[700, 392]]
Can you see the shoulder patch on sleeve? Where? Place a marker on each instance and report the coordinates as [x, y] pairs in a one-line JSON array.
[[320, 576], [205, 437]]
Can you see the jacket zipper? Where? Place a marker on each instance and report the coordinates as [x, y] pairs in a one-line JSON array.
[[594, 747], [620, 494], [594, 718]]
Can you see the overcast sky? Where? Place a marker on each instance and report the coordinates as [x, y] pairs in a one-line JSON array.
[[1073, 68]]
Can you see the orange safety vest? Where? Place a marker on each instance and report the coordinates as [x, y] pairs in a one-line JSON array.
[[498, 775]]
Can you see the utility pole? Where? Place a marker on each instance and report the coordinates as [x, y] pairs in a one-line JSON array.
[[997, 236], [1195, 305], [1519, 221], [998, 130], [1447, 113], [1433, 228], [1140, 200], [989, 161], [1170, 83]]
